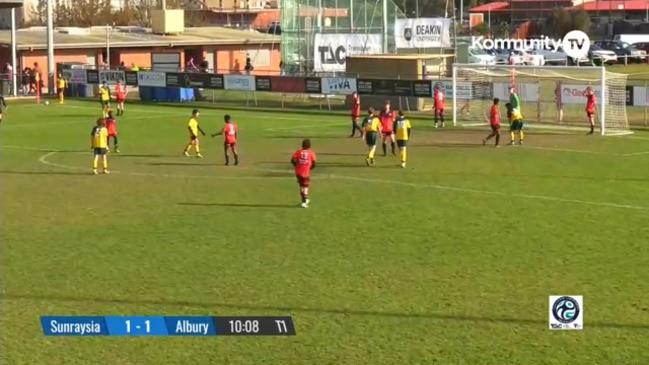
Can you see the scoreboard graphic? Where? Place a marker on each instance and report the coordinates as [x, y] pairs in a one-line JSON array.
[[166, 326]]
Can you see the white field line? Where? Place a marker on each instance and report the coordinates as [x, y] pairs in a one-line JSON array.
[[44, 160]]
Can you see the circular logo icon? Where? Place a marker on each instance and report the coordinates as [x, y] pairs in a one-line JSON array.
[[576, 44], [407, 34], [565, 309], [188, 82], [438, 85]]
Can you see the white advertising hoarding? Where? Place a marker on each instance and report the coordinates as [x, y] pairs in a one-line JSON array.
[[239, 82], [422, 33], [338, 85], [331, 50], [151, 78], [464, 89], [576, 94], [111, 77]]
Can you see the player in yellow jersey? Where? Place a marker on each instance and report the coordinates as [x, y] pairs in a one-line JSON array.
[[371, 126], [402, 129], [99, 145], [194, 128], [60, 88], [104, 96], [516, 119]]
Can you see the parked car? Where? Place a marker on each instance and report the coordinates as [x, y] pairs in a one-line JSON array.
[[607, 57], [527, 57], [558, 57], [623, 50], [502, 55], [643, 46], [479, 56]]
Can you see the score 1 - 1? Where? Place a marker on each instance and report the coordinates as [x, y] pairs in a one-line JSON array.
[[136, 326]]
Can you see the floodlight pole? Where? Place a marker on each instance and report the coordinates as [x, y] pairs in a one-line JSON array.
[[107, 60], [50, 47], [14, 52], [385, 26]]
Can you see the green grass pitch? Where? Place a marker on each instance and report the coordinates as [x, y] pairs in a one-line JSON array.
[[450, 261]]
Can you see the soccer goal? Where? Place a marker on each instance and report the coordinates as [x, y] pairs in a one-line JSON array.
[[551, 97]]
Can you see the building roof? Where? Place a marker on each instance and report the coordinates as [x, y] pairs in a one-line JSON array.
[[495, 6], [614, 5], [95, 37]]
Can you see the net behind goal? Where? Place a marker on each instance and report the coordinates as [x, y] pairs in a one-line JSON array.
[[550, 96]]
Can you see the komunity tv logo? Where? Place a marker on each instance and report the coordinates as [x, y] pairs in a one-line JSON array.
[[575, 44]]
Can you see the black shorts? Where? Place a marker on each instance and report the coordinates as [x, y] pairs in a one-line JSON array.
[[193, 138], [99, 151], [60, 91], [303, 181], [105, 104]]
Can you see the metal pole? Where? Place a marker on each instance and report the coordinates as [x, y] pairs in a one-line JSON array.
[[385, 26], [107, 60], [351, 17], [461, 13], [50, 47], [14, 82]]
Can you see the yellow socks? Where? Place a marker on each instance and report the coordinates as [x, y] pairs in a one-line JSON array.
[[522, 135], [105, 164], [94, 162], [198, 149], [370, 155], [189, 147], [513, 136], [403, 155]]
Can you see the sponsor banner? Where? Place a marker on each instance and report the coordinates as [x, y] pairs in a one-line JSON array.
[[338, 85], [576, 94], [422, 88], [423, 33], [111, 76], [313, 85], [131, 78], [239, 82], [287, 84], [263, 83], [172, 79], [92, 76], [392, 87], [151, 78], [365, 86], [640, 96], [464, 88], [331, 50], [75, 76], [215, 81], [194, 80], [630, 92], [526, 92]]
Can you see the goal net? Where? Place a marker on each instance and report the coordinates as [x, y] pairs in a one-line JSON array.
[[551, 97]]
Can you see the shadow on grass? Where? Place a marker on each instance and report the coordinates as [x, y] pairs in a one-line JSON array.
[[510, 321], [304, 136], [64, 173], [234, 205]]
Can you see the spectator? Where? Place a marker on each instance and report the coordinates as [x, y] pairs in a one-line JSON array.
[[134, 67], [191, 66], [24, 81], [248, 66], [37, 71]]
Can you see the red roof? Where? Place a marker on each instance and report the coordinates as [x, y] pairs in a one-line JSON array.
[[614, 5], [498, 5]]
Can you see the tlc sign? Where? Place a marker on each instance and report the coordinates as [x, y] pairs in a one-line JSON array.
[[332, 56]]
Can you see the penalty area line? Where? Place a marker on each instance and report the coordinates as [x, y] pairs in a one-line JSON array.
[[44, 159]]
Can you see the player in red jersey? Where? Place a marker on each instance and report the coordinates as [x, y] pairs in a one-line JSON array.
[[494, 121], [387, 118], [356, 114], [111, 126], [304, 161], [229, 133], [590, 107], [439, 105], [120, 96]]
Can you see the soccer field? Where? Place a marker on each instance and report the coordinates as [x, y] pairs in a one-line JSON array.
[[449, 261]]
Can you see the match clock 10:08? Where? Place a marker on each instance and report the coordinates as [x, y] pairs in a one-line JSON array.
[[254, 326]]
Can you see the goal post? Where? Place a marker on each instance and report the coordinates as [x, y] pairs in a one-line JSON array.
[[551, 97]]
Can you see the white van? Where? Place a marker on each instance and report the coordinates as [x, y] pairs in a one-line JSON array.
[[479, 56], [632, 38]]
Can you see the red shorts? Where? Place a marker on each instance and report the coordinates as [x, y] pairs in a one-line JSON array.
[[495, 127], [303, 181], [112, 133], [590, 113], [230, 144], [439, 111], [120, 100], [355, 118], [386, 134]]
